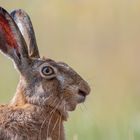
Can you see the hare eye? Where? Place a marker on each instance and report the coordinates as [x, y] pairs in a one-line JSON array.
[[47, 71]]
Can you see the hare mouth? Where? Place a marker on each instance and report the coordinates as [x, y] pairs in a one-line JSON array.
[[68, 108], [81, 100], [71, 106]]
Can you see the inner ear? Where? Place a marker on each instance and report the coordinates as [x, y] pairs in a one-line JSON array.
[[11, 41], [7, 35]]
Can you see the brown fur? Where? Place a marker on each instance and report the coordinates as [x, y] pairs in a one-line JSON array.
[[42, 100]]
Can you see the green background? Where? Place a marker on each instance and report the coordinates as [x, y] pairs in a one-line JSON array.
[[101, 41]]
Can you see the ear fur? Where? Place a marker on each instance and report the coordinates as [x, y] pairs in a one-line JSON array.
[[11, 41], [25, 26]]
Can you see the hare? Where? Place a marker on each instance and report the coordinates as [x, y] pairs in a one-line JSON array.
[[47, 89]]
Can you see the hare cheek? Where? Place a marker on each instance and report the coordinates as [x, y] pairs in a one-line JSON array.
[[39, 89], [61, 79]]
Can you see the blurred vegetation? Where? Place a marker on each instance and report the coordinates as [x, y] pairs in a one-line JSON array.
[[101, 40]]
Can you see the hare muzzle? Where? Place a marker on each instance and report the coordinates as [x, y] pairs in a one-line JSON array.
[[83, 91]]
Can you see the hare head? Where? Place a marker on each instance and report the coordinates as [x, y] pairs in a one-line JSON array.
[[43, 81]]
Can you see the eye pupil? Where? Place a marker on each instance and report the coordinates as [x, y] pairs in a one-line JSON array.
[[47, 71]]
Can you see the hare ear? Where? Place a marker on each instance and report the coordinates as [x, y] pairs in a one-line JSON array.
[[11, 40], [25, 25]]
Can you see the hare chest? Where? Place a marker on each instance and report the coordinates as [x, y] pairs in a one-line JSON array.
[[32, 124]]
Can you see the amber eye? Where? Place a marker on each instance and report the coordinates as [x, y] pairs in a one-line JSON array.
[[47, 71]]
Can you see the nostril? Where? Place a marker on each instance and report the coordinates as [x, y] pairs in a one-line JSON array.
[[82, 93]]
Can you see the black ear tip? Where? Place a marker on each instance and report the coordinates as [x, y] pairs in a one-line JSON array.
[[18, 13], [13, 13], [2, 11]]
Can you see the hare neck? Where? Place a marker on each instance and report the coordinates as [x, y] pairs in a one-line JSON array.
[[51, 121], [52, 125], [19, 98]]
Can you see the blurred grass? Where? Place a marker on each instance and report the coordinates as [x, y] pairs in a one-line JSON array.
[[100, 39]]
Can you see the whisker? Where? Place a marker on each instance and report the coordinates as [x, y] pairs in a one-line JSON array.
[[49, 124], [58, 118], [64, 106], [46, 99], [52, 112], [44, 122], [53, 103], [54, 126], [59, 127], [85, 106], [41, 128], [81, 108]]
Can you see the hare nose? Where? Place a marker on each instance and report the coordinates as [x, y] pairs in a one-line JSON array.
[[83, 93], [84, 89]]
